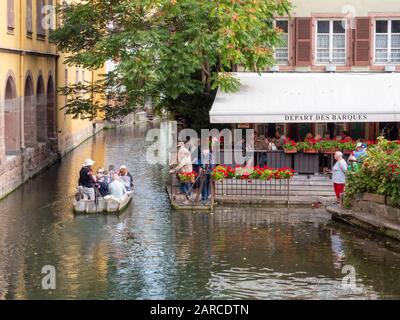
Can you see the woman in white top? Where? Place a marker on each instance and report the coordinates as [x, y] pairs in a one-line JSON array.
[[339, 174]]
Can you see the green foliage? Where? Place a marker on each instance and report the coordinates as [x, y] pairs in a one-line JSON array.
[[379, 173], [168, 49], [327, 144]]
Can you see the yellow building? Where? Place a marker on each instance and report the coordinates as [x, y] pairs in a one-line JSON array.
[[33, 129]]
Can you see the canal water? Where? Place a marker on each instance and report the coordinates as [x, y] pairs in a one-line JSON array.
[[153, 252]]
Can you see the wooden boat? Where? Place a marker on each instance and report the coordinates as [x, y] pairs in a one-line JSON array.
[[107, 204]]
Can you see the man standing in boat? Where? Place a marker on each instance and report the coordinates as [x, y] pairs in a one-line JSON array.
[[87, 180]]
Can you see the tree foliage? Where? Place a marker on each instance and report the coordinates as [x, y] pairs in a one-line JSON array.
[[174, 51]]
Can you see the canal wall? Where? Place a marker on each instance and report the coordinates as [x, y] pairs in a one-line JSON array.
[[370, 215], [29, 162], [70, 141], [16, 169]]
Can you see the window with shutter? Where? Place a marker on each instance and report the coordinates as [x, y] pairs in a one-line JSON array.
[[10, 16], [303, 41], [331, 42], [40, 30], [29, 27], [387, 41], [282, 52], [363, 42]]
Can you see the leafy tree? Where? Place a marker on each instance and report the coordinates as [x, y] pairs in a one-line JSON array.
[[177, 52]]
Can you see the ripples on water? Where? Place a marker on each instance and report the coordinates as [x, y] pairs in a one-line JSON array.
[[153, 252]]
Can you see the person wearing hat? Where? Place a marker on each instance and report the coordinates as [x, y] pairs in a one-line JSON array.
[[361, 151], [184, 165], [87, 180]]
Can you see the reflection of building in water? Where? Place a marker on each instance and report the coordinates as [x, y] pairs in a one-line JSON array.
[[252, 239]]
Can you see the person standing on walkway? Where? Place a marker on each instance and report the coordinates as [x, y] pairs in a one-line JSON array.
[[184, 166], [339, 174], [87, 180], [207, 164]]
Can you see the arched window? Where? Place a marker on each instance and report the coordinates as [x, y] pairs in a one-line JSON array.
[[29, 114], [51, 112], [10, 16], [12, 122], [41, 112]]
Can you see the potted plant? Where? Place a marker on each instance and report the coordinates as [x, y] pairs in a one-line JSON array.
[[307, 147], [187, 176], [347, 147], [219, 173], [328, 146], [290, 146]]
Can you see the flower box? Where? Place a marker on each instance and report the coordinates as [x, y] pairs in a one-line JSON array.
[[310, 151], [377, 198], [330, 151], [347, 151], [290, 151]]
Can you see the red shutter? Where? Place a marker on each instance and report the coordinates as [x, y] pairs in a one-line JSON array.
[[352, 46], [292, 42], [29, 28], [363, 42], [303, 41], [10, 15]]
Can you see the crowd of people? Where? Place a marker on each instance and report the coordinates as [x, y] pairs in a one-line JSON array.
[[204, 161], [115, 183]]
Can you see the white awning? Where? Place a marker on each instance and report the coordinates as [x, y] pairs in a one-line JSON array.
[[310, 97]]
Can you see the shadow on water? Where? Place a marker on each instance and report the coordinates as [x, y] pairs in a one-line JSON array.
[[151, 251]]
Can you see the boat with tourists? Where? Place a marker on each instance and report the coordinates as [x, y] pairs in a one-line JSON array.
[[106, 192], [108, 204]]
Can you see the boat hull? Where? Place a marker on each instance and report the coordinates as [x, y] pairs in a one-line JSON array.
[[107, 204]]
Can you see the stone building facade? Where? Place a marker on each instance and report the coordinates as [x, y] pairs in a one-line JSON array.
[[34, 131]]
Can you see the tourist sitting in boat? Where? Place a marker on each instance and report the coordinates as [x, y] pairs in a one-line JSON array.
[[87, 180], [126, 178], [116, 187], [103, 180]]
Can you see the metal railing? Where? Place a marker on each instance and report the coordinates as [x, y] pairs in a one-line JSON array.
[[233, 190], [252, 189]]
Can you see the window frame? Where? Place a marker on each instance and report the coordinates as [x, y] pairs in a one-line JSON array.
[[389, 41], [287, 63], [331, 34], [10, 16], [41, 32]]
